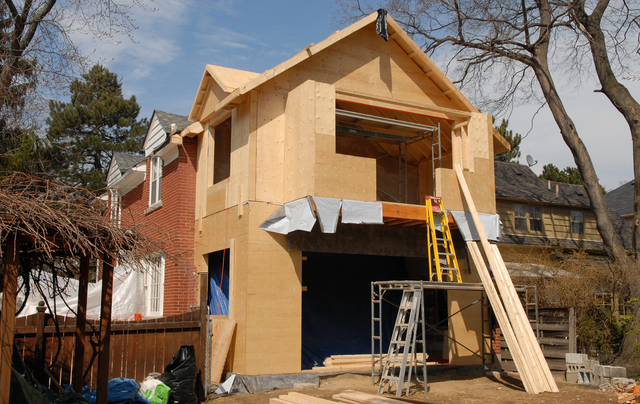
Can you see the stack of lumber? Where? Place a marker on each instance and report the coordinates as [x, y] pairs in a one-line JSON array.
[[514, 324], [348, 362], [357, 397], [346, 397]]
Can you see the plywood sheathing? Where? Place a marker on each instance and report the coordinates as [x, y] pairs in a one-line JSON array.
[[413, 59]]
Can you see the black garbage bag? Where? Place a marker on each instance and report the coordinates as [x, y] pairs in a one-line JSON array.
[[181, 376]]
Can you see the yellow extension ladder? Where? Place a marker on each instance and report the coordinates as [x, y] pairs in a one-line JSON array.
[[442, 255]]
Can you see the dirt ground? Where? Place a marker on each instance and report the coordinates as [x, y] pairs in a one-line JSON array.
[[446, 388]]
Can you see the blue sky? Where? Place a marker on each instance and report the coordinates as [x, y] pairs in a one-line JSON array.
[[164, 64]]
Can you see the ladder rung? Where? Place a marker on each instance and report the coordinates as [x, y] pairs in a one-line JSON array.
[[443, 239]]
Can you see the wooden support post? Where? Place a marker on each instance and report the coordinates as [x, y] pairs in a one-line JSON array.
[[11, 266], [204, 316], [41, 343], [81, 321], [105, 329], [573, 342]]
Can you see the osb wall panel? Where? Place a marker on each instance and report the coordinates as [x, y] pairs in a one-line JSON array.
[[300, 141], [481, 185], [239, 173], [365, 63], [273, 311], [270, 147]]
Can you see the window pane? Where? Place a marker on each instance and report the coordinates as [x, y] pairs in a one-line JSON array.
[[153, 193], [577, 226], [521, 224], [535, 218], [520, 210]]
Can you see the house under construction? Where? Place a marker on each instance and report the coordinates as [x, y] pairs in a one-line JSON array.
[[311, 183]]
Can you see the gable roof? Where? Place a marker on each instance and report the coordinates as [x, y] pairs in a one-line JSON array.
[[159, 129], [126, 161], [621, 198], [396, 33], [517, 181]]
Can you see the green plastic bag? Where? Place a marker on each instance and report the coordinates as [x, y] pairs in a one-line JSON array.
[[155, 391]]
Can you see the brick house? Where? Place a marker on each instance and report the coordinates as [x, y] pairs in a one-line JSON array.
[[157, 191]]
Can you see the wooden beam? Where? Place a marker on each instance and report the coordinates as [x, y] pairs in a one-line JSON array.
[[204, 316], [429, 110], [81, 321], [105, 329], [10, 289], [403, 212]]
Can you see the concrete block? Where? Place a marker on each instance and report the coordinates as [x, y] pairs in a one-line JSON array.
[[576, 358], [618, 371], [572, 376]]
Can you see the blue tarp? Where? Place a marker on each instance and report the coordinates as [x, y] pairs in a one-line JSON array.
[[219, 282]]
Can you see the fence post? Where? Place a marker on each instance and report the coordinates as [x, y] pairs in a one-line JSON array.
[[8, 316], [78, 365], [105, 329], [573, 343], [41, 342]]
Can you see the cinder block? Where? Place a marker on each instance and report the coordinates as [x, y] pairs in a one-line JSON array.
[[576, 358], [618, 371], [571, 376]]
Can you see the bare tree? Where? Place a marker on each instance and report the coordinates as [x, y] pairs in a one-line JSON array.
[[523, 40], [37, 52]]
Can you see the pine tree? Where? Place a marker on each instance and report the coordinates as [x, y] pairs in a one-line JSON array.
[[98, 121], [514, 141]]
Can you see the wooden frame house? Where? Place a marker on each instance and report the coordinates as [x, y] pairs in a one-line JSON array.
[[354, 118]]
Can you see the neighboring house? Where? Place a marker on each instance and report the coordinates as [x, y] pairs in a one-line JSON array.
[[539, 213], [621, 200], [353, 118], [157, 191]]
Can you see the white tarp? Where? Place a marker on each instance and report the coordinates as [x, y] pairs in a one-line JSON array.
[[128, 295], [294, 215], [358, 212], [490, 223], [328, 210]]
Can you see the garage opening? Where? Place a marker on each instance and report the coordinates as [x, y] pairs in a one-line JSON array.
[[336, 304]]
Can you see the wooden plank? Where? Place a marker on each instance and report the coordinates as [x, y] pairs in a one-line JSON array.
[[310, 399], [505, 284], [400, 211], [221, 343], [505, 327], [11, 266], [366, 398], [511, 301]]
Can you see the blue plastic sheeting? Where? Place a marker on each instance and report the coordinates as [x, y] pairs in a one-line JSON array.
[[219, 282], [336, 308]]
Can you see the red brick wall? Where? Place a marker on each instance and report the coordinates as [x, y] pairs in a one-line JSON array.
[[172, 225], [496, 341]]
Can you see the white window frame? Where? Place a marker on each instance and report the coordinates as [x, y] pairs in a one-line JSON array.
[[155, 181], [520, 218], [154, 286], [116, 207]]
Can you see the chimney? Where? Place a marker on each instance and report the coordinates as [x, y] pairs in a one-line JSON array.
[[557, 190], [549, 185]]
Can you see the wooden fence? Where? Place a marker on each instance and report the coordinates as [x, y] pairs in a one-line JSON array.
[[557, 330], [137, 347]]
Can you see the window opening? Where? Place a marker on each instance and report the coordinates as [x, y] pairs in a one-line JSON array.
[[219, 282], [155, 191], [222, 151], [577, 224], [392, 132]]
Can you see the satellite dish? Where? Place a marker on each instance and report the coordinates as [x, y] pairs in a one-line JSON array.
[[530, 161]]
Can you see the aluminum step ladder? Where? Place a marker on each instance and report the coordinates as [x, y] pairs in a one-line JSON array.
[[401, 358], [442, 254]]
